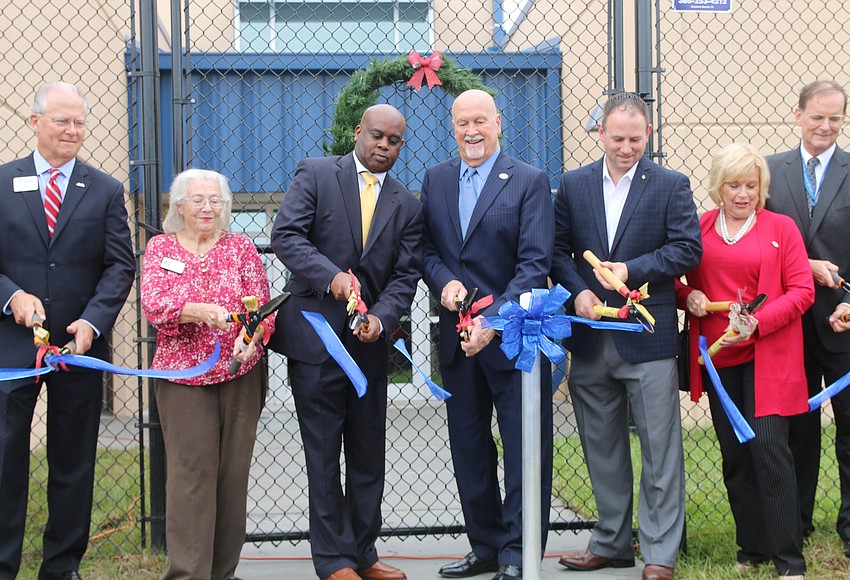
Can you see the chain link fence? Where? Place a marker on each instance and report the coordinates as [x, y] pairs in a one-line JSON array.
[[248, 88]]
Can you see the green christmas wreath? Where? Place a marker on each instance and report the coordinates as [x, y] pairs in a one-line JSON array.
[[364, 86]]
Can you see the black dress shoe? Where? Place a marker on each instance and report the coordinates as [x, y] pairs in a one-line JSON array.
[[470, 565], [508, 572], [69, 575], [847, 549]]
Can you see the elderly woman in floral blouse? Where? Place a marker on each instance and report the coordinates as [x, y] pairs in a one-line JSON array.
[[194, 275]]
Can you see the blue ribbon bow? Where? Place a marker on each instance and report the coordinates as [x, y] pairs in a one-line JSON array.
[[526, 331], [742, 429]]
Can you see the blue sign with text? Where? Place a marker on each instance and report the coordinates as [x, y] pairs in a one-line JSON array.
[[703, 5]]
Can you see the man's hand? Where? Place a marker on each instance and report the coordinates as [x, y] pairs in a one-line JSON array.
[[479, 338], [822, 272], [835, 318], [697, 301], [620, 270], [453, 291], [373, 333], [584, 303], [341, 287], [23, 306], [83, 335]]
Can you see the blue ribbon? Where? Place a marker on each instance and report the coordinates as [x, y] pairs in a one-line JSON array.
[[334, 347], [88, 362], [526, 331], [742, 429], [829, 392], [439, 392]]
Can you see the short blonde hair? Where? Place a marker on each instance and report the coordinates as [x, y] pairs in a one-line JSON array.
[[173, 221], [733, 163]]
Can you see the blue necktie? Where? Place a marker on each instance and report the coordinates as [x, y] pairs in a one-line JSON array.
[[467, 196]]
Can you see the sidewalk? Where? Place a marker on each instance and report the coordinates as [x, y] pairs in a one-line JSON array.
[[420, 558]]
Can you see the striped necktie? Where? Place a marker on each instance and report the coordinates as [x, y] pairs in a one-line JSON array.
[[52, 201]]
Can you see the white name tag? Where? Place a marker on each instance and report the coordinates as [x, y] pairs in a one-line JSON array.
[[172, 265], [26, 183]]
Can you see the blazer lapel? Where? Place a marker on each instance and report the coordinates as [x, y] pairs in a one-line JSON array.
[[834, 177], [500, 175], [78, 185], [450, 187], [597, 203], [792, 174], [636, 189], [384, 209], [349, 190], [33, 200]]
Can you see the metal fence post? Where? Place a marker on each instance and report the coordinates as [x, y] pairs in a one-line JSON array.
[[531, 540]]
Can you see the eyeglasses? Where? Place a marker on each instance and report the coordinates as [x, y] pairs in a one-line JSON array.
[[836, 121], [200, 202], [63, 123]]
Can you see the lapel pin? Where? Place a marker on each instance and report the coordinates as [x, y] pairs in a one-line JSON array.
[[643, 176], [503, 176], [775, 244], [80, 184]]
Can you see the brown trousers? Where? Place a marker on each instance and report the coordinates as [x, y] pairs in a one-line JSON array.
[[209, 436]]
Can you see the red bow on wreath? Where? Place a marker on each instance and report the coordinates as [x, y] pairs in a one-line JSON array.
[[426, 68]]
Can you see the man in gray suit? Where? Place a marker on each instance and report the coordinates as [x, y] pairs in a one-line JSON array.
[[640, 219], [810, 184]]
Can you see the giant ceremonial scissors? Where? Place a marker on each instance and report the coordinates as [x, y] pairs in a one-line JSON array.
[[250, 320], [632, 308]]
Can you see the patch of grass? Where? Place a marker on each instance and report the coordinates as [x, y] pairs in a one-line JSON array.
[[115, 546], [711, 549]]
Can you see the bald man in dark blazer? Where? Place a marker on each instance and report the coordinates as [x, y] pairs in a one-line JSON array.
[[318, 235], [77, 279], [821, 209], [500, 243]]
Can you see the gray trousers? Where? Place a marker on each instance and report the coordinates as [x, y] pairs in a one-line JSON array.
[[603, 386], [209, 436]]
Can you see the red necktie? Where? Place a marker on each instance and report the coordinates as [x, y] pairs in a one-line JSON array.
[[52, 201]]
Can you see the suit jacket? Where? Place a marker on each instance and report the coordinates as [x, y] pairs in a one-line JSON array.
[[658, 238], [84, 271], [508, 245], [823, 234], [317, 234]]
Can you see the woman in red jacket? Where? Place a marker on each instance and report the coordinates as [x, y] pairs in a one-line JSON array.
[[751, 250]]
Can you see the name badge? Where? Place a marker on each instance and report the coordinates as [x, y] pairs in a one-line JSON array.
[[172, 265], [26, 183]]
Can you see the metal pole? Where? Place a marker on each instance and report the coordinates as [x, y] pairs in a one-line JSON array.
[[532, 550], [643, 56], [616, 74], [151, 161], [178, 95]]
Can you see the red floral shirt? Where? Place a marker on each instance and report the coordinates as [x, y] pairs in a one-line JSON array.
[[230, 270]]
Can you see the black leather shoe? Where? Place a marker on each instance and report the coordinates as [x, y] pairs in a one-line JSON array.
[[69, 575], [508, 572], [470, 565], [847, 549]]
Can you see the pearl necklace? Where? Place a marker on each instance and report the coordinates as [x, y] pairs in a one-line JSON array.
[[725, 232]]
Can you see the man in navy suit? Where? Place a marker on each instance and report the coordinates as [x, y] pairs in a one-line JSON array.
[[74, 272], [820, 208], [319, 234], [640, 220], [488, 225]]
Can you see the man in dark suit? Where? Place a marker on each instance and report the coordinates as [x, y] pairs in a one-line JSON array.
[[319, 234], [640, 220], [818, 200], [74, 270], [488, 225]]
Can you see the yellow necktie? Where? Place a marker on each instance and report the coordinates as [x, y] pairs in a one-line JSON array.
[[367, 203]]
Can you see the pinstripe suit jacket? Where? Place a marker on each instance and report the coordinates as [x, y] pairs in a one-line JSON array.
[[508, 244], [658, 238], [823, 234]]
